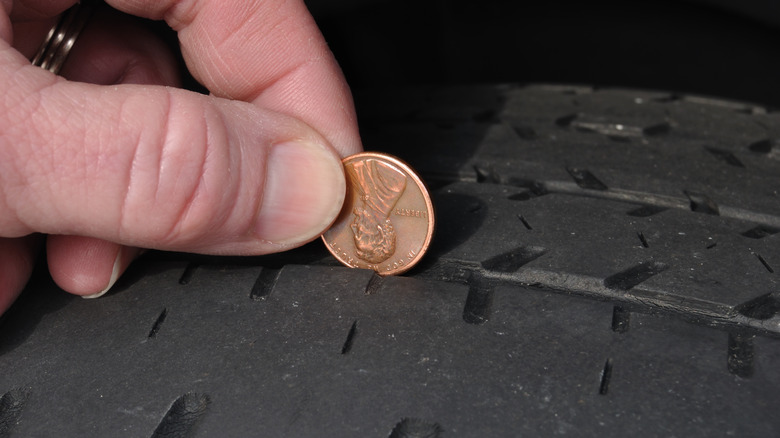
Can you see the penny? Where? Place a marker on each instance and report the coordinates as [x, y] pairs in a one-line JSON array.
[[387, 220]]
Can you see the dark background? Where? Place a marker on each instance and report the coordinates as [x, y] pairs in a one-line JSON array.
[[717, 47]]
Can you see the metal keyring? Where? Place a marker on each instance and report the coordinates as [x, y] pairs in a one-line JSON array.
[[61, 37]]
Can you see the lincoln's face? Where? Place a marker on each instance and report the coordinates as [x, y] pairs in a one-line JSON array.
[[363, 226], [374, 240]]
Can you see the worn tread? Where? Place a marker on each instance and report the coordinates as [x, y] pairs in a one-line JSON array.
[[580, 282]]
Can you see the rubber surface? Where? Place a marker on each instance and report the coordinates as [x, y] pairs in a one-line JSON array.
[[605, 263]]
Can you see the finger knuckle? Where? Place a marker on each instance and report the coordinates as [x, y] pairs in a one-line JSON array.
[[184, 199]]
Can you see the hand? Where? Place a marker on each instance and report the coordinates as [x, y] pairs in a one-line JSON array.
[[122, 159]]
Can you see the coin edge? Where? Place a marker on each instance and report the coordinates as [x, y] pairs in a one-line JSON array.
[[428, 204]]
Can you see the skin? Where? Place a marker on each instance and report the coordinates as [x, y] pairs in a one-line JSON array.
[[111, 156]]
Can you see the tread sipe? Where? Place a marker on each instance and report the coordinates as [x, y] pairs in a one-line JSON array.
[[606, 262]]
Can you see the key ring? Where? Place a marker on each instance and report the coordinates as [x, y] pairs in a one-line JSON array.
[[61, 37]]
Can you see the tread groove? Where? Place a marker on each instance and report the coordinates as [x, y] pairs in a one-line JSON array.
[[646, 211], [741, 355], [760, 231], [479, 300], [264, 284], [701, 203], [693, 202], [642, 239], [726, 156], [566, 120], [350, 338], [513, 260], [585, 179], [157, 324], [621, 319], [11, 407], [415, 428], [183, 415], [483, 175], [633, 276], [658, 129], [606, 376], [764, 307], [522, 196], [488, 115], [525, 222], [313, 337], [189, 271], [613, 131], [764, 262], [762, 146], [374, 283], [525, 132]]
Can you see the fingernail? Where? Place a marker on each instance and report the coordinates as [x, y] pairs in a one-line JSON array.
[[112, 280], [303, 194]]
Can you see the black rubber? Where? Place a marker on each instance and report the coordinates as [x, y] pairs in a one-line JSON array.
[[605, 264]]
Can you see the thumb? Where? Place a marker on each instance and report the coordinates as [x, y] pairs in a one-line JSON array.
[[158, 167]]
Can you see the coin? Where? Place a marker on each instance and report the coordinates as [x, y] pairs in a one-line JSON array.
[[387, 220]]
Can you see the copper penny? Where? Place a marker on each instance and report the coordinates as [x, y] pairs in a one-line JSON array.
[[387, 220]]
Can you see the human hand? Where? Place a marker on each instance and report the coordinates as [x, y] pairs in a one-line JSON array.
[[123, 160]]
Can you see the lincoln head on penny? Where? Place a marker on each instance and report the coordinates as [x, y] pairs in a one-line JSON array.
[[379, 186]]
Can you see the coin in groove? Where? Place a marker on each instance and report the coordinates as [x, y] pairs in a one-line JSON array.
[[387, 220]]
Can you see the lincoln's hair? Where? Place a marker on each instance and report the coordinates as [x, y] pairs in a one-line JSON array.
[[376, 242]]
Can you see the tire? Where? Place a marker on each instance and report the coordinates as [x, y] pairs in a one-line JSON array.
[[605, 263]]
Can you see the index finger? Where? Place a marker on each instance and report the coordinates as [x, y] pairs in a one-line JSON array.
[[268, 52]]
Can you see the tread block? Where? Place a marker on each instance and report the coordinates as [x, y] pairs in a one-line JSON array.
[[482, 339], [539, 352], [587, 240]]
